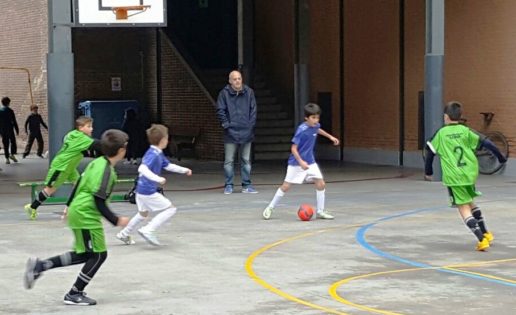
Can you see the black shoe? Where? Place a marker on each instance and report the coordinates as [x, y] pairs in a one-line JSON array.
[[41, 156], [31, 273], [79, 298], [24, 155]]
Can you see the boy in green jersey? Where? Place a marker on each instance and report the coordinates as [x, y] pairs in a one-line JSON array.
[[64, 165], [87, 205], [456, 144]]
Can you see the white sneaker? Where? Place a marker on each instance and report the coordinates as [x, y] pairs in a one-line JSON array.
[[128, 240], [267, 213], [324, 215], [149, 236]]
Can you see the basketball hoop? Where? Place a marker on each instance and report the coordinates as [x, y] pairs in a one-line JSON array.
[[122, 13]]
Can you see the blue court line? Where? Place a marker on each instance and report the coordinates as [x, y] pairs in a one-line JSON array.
[[360, 236]]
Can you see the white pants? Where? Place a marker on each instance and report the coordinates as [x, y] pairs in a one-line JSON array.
[[152, 203], [297, 175]]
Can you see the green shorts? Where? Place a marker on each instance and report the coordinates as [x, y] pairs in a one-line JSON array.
[[88, 241], [461, 195], [56, 178]]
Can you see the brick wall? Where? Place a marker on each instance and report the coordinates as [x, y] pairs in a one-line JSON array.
[[24, 44], [103, 53], [130, 53], [186, 105], [479, 59], [274, 46], [324, 66], [371, 84], [479, 65]]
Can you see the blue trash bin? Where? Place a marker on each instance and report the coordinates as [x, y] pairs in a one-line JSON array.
[[108, 114]]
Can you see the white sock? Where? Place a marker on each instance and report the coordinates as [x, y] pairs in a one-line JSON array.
[[320, 200], [160, 219], [277, 197], [137, 219]]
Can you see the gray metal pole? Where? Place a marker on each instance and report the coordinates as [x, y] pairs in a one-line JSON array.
[[302, 56], [245, 25], [60, 76], [434, 65]]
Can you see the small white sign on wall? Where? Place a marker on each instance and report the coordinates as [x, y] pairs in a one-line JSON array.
[[116, 84]]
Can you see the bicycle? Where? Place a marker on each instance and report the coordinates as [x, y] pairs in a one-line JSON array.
[[488, 163]]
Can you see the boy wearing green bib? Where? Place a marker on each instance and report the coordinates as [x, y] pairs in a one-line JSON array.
[[64, 165], [456, 145], [88, 203]]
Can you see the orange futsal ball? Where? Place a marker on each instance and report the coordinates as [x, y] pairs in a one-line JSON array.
[[305, 212]]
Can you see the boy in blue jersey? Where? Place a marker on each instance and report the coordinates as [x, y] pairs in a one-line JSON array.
[[148, 199], [301, 163]]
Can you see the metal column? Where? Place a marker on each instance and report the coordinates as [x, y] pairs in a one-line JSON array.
[[60, 73], [245, 9], [302, 56], [434, 63]]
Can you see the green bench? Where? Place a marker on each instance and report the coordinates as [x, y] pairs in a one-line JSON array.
[[62, 200]]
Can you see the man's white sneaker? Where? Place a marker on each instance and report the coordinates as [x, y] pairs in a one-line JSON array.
[[128, 240], [324, 215], [149, 237], [267, 213]]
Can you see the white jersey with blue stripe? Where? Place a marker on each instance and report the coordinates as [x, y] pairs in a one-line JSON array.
[[155, 161]]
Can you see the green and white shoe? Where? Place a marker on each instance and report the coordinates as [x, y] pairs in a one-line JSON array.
[[31, 212], [267, 213], [324, 215]]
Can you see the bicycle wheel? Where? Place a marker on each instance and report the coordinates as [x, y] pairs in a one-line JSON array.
[[487, 162]]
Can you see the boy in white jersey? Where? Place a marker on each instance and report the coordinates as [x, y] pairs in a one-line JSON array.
[[148, 199], [301, 163]]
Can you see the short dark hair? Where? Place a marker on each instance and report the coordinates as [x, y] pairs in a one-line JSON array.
[[33, 107], [312, 109], [156, 132], [112, 140], [6, 101], [454, 110], [83, 121]]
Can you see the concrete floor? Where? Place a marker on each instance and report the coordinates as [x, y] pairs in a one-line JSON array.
[[394, 248]]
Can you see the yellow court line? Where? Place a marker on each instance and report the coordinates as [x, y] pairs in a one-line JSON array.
[[249, 268], [334, 287]]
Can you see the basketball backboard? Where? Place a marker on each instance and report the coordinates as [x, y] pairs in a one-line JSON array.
[[126, 13]]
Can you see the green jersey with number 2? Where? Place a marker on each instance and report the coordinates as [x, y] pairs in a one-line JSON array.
[[456, 144]]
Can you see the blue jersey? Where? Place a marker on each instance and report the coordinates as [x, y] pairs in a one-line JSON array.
[[304, 138], [155, 160]]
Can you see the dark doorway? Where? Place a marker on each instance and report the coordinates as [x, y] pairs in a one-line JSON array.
[[207, 29]]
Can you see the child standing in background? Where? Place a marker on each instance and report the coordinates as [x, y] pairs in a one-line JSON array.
[[34, 122]]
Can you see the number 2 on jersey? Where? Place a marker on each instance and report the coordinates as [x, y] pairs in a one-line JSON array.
[[460, 151]]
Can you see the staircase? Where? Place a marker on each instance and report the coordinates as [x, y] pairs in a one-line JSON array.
[[274, 126]]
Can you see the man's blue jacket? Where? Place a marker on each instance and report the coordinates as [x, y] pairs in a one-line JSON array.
[[236, 111]]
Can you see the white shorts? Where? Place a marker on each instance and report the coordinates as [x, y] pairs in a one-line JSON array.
[[297, 175], [152, 203]]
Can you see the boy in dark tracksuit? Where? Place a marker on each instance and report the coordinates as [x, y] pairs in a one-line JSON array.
[[34, 121], [8, 126]]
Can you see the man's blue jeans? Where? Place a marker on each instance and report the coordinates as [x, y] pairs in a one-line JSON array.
[[244, 151]]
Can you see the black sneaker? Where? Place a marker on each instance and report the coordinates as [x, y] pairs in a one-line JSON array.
[[79, 298], [31, 273]]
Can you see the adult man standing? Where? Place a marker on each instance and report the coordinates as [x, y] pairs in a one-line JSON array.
[[8, 125], [236, 110]]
